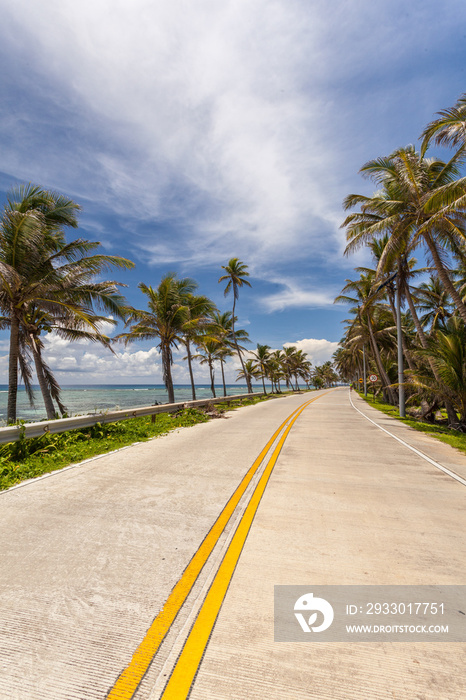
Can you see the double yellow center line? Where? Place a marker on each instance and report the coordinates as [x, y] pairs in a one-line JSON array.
[[184, 672]]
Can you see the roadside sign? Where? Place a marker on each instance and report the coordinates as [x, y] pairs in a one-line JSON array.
[[360, 381], [373, 378]]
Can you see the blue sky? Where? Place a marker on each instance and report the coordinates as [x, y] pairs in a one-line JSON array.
[[191, 133]]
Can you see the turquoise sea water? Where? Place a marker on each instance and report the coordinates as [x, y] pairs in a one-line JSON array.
[[94, 398]]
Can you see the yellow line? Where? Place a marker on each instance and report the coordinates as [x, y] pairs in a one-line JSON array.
[[129, 679], [183, 674]]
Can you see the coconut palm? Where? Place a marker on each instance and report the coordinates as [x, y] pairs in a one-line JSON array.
[[275, 369], [261, 355], [447, 350], [449, 129], [210, 351], [221, 328], [198, 313], [42, 274], [166, 320], [422, 201], [235, 275], [434, 303], [249, 372], [364, 298]]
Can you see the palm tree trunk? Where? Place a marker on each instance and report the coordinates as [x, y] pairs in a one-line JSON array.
[[49, 407], [212, 378], [263, 383], [237, 347], [190, 367], [445, 277], [223, 378], [13, 370], [383, 375], [167, 374]]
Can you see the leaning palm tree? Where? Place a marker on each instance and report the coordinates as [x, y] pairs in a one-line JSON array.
[[249, 373], [449, 129], [43, 275], [235, 275], [166, 320]]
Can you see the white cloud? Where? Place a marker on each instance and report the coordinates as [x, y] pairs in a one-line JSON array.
[[202, 114], [294, 295], [318, 350]]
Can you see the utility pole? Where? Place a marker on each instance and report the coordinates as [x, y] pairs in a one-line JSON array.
[[399, 340], [364, 368]]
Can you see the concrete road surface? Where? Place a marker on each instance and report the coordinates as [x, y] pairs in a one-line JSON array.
[[107, 567]]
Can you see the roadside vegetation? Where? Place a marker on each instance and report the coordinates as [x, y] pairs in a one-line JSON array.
[[49, 284], [27, 459], [439, 430], [419, 208]]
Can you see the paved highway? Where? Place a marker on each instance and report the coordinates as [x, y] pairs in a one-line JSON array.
[[149, 573]]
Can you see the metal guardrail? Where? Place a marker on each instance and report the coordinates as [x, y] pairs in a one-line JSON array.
[[13, 433]]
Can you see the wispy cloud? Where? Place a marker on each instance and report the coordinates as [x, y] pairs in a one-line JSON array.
[[211, 129], [212, 116], [294, 295]]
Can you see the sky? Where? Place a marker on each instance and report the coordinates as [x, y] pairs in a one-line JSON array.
[[194, 132]]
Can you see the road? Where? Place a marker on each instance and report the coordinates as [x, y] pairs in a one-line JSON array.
[[106, 567]]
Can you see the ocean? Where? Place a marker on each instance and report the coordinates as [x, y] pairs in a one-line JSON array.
[[95, 398]]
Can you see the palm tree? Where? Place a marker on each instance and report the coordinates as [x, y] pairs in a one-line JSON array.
[[249, 373], [42, 274], [275, 369], [235, 274], [261, 355], [449, 129], [210, 348], [221, 328], [199, 311], [447, 350], [434, 301], [364, 300], [422, 201], [166, 320]]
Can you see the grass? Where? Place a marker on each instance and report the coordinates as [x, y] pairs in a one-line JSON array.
[[440, 432], [27, 459]]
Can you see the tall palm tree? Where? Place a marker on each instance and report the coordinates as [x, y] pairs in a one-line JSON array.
[[166, 320], [235, 275], [221, 328], [198, 319], [41, 273], [364, 299], [422, 201]]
